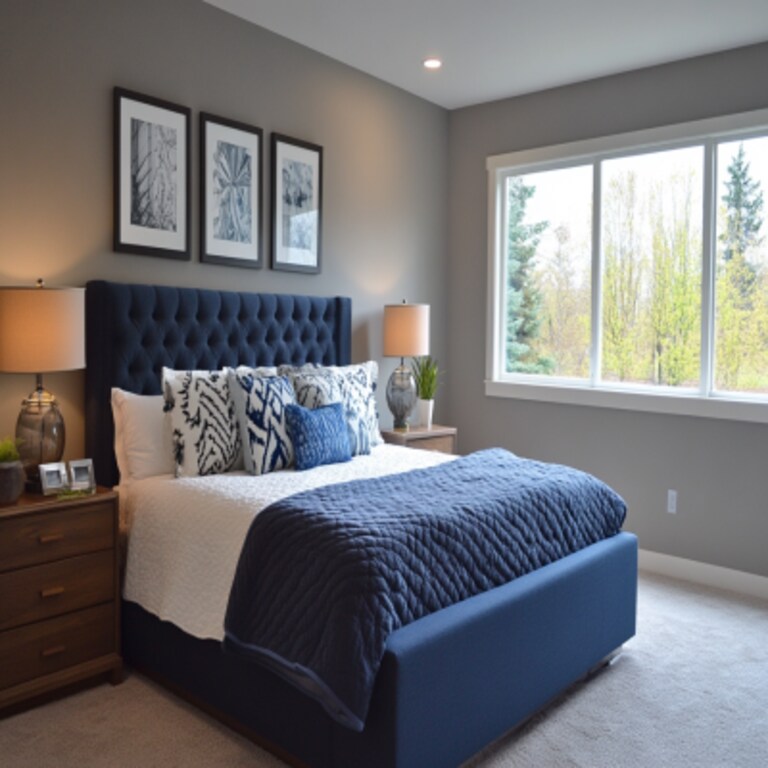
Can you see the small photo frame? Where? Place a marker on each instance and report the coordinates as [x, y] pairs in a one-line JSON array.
[[297, 186], [230, 192], [151, 176], [53, 478], [81, 475]]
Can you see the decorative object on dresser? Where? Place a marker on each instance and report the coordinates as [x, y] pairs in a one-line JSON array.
[[11, 472], [230, 192], [151, 176], [406, 334], [297, 192], [53, 478], [41, 330], [59, 594], [425, 372], [81, 475], [434, 438]]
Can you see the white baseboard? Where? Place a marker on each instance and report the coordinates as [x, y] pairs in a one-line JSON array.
[[704, 573]]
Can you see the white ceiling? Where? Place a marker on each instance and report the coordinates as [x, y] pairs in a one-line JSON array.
[[497, 48]]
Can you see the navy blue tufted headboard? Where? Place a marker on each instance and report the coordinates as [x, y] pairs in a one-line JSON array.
[[132, 331]]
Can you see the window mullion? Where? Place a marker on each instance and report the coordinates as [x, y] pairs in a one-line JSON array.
[[595, 353], [709, 248]]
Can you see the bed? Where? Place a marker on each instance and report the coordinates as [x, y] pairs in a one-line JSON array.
[[449, 683]]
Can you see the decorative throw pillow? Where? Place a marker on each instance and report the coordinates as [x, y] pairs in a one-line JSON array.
[[319, 436], [353, 386], [204, 431], [260, 403]]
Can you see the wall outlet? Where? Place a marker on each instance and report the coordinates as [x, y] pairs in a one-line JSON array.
[[672, 502]]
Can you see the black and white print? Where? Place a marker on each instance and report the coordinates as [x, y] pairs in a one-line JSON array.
[[154, 188], [231, 174], [151, 176], [260, 405], [296, 204], [206, 440]]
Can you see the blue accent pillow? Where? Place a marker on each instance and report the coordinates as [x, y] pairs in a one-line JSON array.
[[319, 435]]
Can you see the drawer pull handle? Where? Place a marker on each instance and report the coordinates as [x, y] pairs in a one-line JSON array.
[[50, 538], [53, 651], [51, 592]]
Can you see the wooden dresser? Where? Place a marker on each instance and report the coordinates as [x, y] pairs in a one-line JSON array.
[[59, 594], [436, 438]]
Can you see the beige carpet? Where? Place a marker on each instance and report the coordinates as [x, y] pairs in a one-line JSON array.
[[690, 690]]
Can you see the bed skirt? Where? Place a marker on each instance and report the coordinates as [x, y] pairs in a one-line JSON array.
[[449, 684]]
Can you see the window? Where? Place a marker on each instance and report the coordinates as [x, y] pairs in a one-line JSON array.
[[632, 271]]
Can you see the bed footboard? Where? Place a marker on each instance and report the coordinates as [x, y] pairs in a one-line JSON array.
[[449, 684], [455, 681]]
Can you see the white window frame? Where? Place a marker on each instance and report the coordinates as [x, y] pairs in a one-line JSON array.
[[704, 401]]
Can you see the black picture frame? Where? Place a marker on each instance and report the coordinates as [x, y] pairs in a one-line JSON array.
[[296, 197], [231, 184], [152, 141]]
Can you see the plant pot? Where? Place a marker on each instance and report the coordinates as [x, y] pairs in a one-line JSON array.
[[424, 409], [12, 480]]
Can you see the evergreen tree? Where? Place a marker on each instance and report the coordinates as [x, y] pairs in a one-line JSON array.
[[523, 296], [740, 335], [743, 201]]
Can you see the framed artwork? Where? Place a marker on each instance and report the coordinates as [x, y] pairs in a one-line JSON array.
[[151, 157], [297, 185], [230, 192]]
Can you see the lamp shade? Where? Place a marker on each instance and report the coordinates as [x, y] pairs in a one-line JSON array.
[[406, 330], [42, 329]]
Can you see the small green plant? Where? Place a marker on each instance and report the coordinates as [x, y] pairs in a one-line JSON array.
[[426, 372], [8, 450]]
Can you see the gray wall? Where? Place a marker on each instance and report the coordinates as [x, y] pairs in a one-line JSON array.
[[718, 467], [385, 172]]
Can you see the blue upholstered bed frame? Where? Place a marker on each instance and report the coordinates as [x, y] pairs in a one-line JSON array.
[[450, 683]]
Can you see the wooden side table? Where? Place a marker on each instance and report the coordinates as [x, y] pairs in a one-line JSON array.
[[59, 594], [437, 438]]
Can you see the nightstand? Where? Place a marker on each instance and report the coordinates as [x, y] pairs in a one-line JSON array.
[[59, 594], [435, 439]]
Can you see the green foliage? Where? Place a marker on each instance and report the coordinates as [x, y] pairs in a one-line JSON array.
[[523, 296], [743, 202], [8, 450], [426, 372], [741, 352]]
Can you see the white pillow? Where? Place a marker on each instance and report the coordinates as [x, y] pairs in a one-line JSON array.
[[204, 434], [142, 436]]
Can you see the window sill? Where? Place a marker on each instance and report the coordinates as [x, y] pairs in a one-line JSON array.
[[646, 402]]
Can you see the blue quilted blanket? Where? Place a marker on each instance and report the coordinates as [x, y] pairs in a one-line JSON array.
[[326, 575]]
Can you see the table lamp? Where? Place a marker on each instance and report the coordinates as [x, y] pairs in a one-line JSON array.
[[406, 334], [41, 330]]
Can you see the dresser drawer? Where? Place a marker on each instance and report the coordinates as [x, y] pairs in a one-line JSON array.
[[48, 646], [443, 443], [43, 591], [51, 535]]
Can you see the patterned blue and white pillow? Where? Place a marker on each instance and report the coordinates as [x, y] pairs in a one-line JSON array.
[[260, 403], [319, 436], [204, 431], [354, 386]]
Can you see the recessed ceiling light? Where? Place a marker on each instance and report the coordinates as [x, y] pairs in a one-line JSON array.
[[432, 63]]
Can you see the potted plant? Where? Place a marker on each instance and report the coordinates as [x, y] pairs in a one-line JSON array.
[[425, 372], [12, 475]]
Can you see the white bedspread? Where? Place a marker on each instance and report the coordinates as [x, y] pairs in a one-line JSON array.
[[185, 534]]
